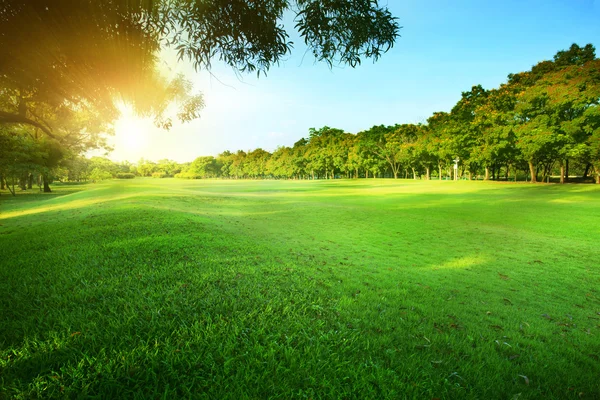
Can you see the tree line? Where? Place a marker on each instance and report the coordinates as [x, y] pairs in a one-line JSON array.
[[539, 123]]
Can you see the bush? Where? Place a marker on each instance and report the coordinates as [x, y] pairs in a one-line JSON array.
[[125, 175], [159, 175], [187, 175]]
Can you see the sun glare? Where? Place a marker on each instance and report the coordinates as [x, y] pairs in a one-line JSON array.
[[131, 136]]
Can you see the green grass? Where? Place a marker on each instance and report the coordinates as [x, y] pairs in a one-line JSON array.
[[339, 289]]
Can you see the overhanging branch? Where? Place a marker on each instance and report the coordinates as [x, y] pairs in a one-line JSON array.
[[8, 118]]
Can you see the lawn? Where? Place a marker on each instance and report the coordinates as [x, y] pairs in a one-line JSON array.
[[298, 289]]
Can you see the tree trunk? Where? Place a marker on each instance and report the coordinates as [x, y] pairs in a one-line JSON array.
[[487, 174], [440, 167], [427, 173], [366, 174], [567, 170], [587, 170], [546, 173], [395, 174], [22, 182], [46, 185], [562, 173], [30, 182], [12, 191], [2, 182], [414, 174], [356, 173], [532, 172]]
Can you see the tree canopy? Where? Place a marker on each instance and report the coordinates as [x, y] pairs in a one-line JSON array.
[[60, 52], [64, 65]]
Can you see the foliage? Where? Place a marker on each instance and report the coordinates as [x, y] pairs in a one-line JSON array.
[[536, 122], [201, 167], [84, 54], [125, 175], [65, 65], [99, 175]]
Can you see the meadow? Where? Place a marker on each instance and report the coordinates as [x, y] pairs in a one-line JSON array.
[[301, 289]]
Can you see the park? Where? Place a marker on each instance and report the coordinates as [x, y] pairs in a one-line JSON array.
[[299, 199], [375, 288]]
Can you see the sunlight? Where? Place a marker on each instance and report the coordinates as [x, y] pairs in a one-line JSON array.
[[462, 262], [131, 135]]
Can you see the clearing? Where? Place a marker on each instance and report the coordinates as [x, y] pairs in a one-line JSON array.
[[299, 289]]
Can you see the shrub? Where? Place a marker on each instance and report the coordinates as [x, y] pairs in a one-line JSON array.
[[159, 175], [188, 175], [125, 175]]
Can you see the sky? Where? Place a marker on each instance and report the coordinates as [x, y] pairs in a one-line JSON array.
[[445, 48]]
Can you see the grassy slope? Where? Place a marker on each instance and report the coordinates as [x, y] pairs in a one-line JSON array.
[[352, 289]]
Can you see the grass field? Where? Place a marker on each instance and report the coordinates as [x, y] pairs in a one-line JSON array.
[[328, 289]]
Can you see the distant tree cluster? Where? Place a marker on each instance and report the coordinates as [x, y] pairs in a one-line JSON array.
[[540, 122]]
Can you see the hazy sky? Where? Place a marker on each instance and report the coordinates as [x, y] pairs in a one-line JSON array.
[[445, 48]]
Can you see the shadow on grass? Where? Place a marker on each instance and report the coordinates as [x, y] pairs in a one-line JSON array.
[[32, 195]]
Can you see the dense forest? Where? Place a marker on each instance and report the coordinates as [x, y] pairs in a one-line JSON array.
[[540, 123]]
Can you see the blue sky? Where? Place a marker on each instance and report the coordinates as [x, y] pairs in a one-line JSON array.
[[445, 48]]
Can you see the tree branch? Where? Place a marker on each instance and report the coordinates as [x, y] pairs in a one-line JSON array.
[[8, 118]]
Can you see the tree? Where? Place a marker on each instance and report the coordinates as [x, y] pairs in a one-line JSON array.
[[281, 163], [553, 118], [75, 59], [98, 174], [440, 125], [225, 160], [298, 158], [324, 151], [168, 167], [146, 167], [495, 143], [236, 168], [201, 168], [392, 144], [463, 133], [86, 53], [354, 160], [255, 164], [425, 149], [370, 144], [78, 168], [20, 155]]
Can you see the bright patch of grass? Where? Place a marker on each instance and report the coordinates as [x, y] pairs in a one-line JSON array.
[[344, 289]]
